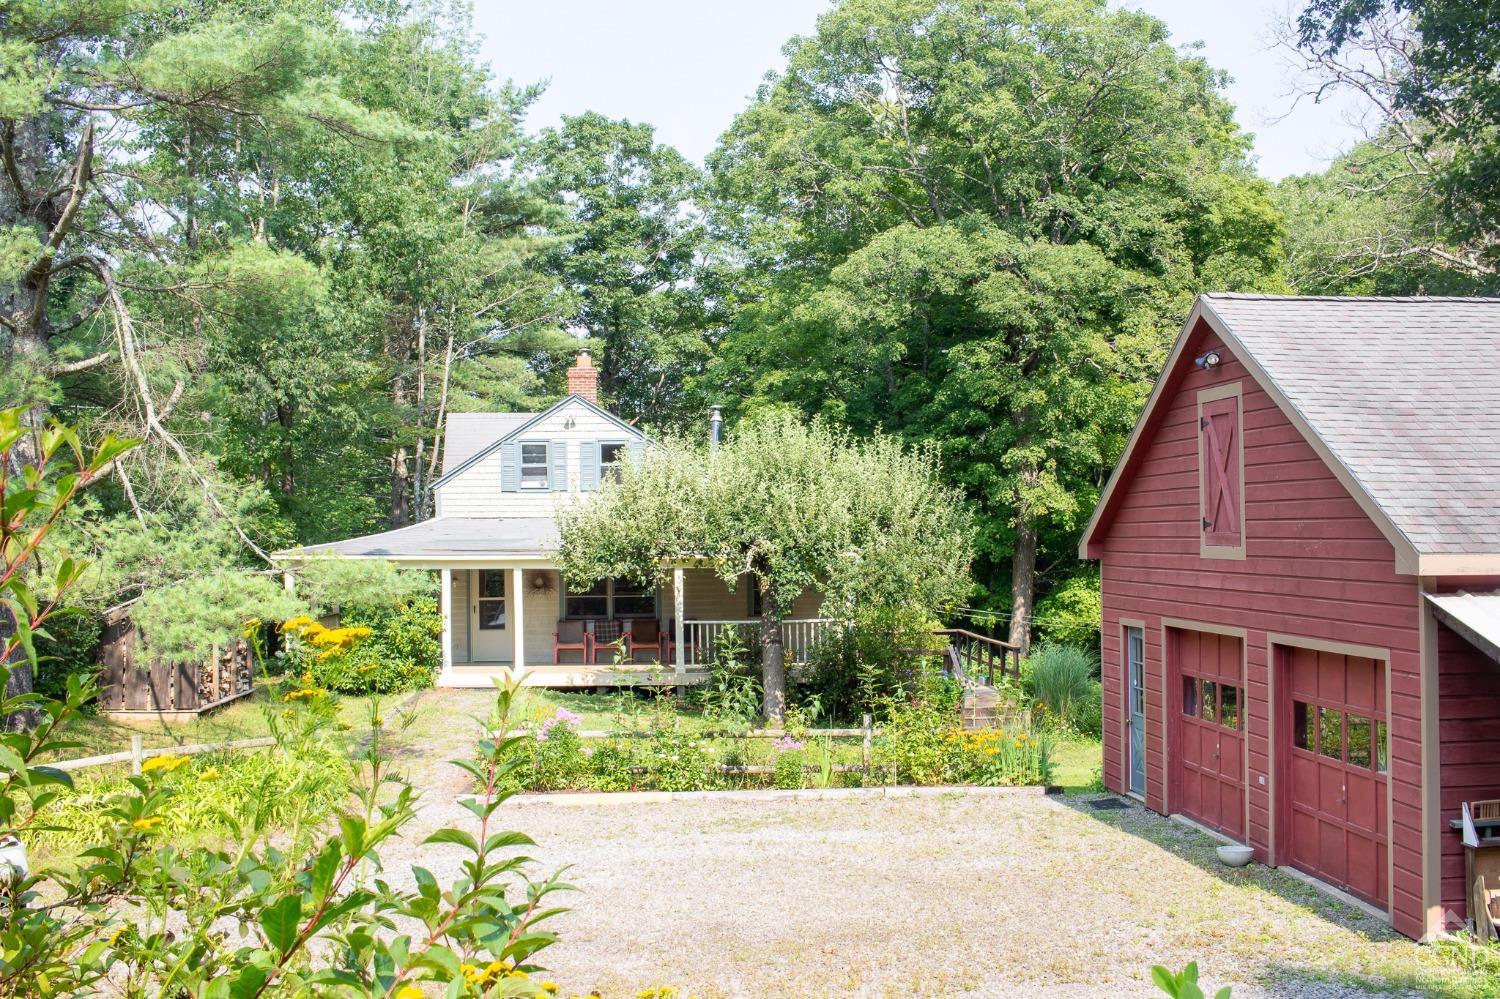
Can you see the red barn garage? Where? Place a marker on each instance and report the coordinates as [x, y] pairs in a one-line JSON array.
[[1300, 553]]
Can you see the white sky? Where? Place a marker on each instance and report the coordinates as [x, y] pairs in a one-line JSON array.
[[688, 66]]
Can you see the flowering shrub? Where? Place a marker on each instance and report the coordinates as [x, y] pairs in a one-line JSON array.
[[996, 758], [789, 772], [676, 761], [400, 651], [558, 759]]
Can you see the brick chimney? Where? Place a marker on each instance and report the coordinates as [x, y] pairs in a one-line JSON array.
[[583, 378]]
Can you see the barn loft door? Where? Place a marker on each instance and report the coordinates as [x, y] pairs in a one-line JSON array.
[[1219, 454]]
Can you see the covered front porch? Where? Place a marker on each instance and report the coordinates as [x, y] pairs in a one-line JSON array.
[[522, 619], [507, 611]]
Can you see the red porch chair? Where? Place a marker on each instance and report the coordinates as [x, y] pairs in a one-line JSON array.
[[608, 640], [570, 636], [644, 636]]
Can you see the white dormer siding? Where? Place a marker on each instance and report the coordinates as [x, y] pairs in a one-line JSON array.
[[573, 432]]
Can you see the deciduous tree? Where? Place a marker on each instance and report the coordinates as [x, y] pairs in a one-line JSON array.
[[786, 506]]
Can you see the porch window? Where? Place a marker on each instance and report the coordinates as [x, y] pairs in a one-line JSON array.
[[491, 599], [611, 461], [632, 600], [592, 602], [534, 466], [611, 598]]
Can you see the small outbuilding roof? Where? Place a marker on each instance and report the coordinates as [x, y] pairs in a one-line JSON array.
[[1475, 616], [445, 540], [1401, 396]]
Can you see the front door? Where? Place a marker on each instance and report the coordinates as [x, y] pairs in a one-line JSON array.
[[1337, 769], [1209, 702], [489, 610], [1135, 672]]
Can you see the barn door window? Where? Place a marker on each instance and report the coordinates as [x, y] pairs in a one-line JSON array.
[[1229, 706], [1221, 507]]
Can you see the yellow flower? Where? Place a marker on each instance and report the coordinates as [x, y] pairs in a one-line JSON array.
[[549, 987], [119, 932], [147, 824], [378, 721], [166, 764], [211, 773], [297, 624], [250, 627], [408, 992]]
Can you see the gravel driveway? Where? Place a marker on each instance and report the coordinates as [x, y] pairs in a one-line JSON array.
[[1016, 895]]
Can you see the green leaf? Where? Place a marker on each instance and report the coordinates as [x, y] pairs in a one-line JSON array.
[[281, 920], [458, 836], [324, 869], [247, 983]]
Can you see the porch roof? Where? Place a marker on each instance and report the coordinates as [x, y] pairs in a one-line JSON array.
[[446, 540], [1475, 616]]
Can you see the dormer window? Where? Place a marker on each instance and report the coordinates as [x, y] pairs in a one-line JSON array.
[[611, 461], [534, 466]]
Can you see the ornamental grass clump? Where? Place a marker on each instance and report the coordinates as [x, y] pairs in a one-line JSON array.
[[1063, 682]]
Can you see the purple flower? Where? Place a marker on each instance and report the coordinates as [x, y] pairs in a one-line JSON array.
[[786, 743], [562, 716]]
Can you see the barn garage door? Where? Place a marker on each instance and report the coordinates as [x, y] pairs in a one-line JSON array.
[[1336, 785], [1210, 739]]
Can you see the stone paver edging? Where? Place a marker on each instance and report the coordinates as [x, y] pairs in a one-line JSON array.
[[777, 794]]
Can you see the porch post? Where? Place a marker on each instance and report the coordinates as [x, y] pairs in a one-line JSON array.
[[678, 628], [517, 623], [445, 603]]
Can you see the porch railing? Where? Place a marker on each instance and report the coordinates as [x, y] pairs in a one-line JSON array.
[[706, 639]]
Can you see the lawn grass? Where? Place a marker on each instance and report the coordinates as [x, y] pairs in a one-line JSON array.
[[1076, 760], [97, 735]]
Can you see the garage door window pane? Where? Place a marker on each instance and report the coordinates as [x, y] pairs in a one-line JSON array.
[[1304, 725], [1331, 733], [1190, 695], [1382, 764], [1210, 699], [1360, 735], [1229, 706]]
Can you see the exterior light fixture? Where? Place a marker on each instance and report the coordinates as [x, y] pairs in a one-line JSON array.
[[1209, 361]]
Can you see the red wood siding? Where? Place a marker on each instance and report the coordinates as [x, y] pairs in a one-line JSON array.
[[1315, 567], [1469, 744]]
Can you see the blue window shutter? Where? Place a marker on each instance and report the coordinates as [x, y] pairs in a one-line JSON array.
[[510, 468], [588, 466], [635, 449], [557, 451]]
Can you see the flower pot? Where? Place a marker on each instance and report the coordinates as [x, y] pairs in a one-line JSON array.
[[1235, 855]]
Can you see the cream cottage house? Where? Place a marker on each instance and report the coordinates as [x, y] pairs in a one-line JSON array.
[[493, 540]]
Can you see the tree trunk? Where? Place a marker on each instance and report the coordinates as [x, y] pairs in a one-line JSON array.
[[772, 654], [22, 680], [1023, 578]]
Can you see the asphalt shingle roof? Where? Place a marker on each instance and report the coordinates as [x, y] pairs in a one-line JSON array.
[[447, 538], [1405, 392], [470, 433]]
